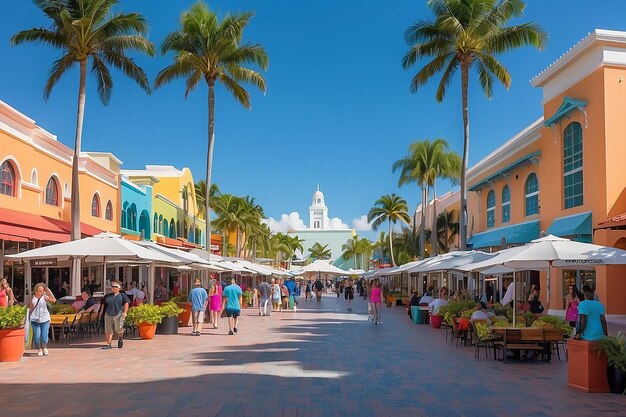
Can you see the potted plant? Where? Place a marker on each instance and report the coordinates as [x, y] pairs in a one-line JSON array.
[[145, 317], [182, 301], [169, 324], [58, 308], [12, 333], [247, 298], [615, 349]]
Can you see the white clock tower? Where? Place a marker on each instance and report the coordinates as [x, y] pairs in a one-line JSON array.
[[318, 211]]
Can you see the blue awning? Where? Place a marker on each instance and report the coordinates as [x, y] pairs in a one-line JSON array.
[[574, 225], [569, 105], [514, 234]]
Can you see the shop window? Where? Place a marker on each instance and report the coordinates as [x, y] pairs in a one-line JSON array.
[[573, 165], [7, 179], [506, 204], [95, 206], [108, 211], [52, 192], [579, 278], [532, 195], [491, 209]]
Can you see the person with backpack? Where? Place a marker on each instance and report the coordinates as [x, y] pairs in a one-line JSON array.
[[319, 287]]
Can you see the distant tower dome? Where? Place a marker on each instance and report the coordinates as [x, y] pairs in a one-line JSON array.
[[318, 211]]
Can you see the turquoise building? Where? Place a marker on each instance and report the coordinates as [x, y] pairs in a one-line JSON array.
[[136, 209]]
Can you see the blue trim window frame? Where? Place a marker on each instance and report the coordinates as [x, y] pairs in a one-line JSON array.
[[491, 209], [532, 195], [573, 165], [155, 224], [506, 204]]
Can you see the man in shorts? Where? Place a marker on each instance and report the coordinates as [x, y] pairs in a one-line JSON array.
[[231, 303], [198, 298], [116, 306], [265, 289]]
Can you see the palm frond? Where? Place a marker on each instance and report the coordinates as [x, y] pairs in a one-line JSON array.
[[129, 68], [239, 93], [103, 79], [59, 67], [45, 36]]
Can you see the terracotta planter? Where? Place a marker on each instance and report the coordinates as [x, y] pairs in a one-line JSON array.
[[146, 331], [185, 316], [12, 344], [586, 369], [435, 321]]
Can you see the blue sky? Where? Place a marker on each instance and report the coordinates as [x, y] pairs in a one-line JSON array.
[[338, 110]]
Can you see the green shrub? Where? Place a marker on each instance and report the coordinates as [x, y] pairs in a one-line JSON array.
[[557, 323], [181, 298], [170, 309], [145, 313], [12, 317], [454, 308]]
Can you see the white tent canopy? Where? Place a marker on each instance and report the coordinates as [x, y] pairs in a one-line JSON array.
[[194, 260], [355, 272], [452, 262], [321, 267]]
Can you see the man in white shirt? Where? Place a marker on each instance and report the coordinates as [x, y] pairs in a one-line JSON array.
[[426, 299], [435, 305], [480, 314]]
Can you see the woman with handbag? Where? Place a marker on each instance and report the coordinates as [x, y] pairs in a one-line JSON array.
[[6, 294], [40, 317]]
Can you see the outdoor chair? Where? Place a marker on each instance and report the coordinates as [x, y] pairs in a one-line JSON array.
[[73, 325], [83, 324], [513, 341], [487, 341]]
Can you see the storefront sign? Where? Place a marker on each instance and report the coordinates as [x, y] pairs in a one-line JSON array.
[[40, 263], [215, 247]]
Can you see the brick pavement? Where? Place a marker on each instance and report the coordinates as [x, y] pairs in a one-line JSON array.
[[320, 361]]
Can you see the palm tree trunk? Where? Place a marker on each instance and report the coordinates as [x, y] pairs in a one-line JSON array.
[[433, 235], [463, 213], [393, 261], [209, 165], [423, 223], [75, 217]]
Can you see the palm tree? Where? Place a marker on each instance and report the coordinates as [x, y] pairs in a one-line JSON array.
[[86, 31], [200, 188], [468, 34], [351, 249], [382, 245], [228, 216], [389, 208], [320, 252], [364, 248], [447, 229], [210, 50]]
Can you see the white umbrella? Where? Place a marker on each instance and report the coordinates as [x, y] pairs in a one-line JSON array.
[[321, 267], [195, 261], [451, 262], [355, 271]]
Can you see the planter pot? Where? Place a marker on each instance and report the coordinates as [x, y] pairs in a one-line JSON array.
[[185, 316], [435, 321], [169, 325], [617, 380], [12, 344], [586, 369], [146, 331]]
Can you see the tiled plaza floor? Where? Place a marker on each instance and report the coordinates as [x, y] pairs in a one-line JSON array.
[[320, 361]]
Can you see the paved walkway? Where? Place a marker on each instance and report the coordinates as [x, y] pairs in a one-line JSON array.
[[320, 361]]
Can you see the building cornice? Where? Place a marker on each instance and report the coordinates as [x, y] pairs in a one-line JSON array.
[[518, 142]]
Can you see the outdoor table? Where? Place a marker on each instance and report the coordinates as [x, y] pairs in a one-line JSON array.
[[57, 320], [549, 336]]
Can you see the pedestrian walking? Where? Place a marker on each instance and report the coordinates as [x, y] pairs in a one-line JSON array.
[[275, 296], [215, 301], [232, 301], [376, 297], [348, 293], [265, 291], [319, 287], [296, 297], [307, 291], [291, 287], [116, 306], [40, 317], [7, 298], [199, 299]]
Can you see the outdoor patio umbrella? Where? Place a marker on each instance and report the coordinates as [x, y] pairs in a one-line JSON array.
[[355, 271], [100, 248], [321, 267]]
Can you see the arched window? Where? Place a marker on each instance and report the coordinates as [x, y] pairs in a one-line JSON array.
[[172, 229], [161, 223], [144, 224], [491, 208], [573, 165], [132, 217], [165, 228], [95, 206], [155, 223], [52, 192], [506, 204], [108, 211], [532, 195], [7, 179]]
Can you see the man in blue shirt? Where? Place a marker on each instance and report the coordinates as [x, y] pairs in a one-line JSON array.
[[291, 285], [198, 298], [592, 320], [231, 302]]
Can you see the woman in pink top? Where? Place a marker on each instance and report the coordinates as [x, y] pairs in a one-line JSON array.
[[215, 297], [376, 298]]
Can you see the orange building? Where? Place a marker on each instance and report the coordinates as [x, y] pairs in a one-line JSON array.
[[564, 174], [35, 203]]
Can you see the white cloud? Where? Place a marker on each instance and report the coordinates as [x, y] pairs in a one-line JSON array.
[[337, 223], [285, 223], [361, 224]]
